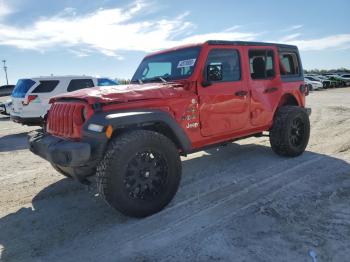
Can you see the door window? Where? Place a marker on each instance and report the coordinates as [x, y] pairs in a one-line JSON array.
[[261, 64], [227, 61]]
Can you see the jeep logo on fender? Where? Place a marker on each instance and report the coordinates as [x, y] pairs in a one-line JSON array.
[[192, 125]]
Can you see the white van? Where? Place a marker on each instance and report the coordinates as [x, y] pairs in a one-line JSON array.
[[31, 96]]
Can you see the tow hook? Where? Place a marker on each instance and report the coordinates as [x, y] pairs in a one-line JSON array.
[[308, 110]]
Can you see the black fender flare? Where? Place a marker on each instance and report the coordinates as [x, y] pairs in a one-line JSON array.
[[139, 118]]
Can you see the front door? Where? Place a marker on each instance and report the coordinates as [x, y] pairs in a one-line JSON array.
[[224, 104]]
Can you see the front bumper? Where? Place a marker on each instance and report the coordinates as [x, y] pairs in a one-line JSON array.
[[29, 121], [3, 109], [318, 87], [58, 151]]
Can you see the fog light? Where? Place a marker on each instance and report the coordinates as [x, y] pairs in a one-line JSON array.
[[96, 128]]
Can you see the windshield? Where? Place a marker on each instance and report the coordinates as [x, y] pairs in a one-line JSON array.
[[172, 65], [22, 87], [309, 78]]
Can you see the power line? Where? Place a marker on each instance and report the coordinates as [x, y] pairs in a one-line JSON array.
[[5, 69]]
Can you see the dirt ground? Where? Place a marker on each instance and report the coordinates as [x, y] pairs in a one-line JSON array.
[[236, 203]]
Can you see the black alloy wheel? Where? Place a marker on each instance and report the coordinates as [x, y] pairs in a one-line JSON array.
[[146, 175], [297, 132]]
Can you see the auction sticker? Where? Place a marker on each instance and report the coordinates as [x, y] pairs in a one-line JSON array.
[[186, 63]]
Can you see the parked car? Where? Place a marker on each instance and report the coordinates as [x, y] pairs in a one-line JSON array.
[[6, 90], [337, 79], [6, 107], [309, 86], [31, 96], [346, 79], [325, 82], [179, 101], [313, 85]]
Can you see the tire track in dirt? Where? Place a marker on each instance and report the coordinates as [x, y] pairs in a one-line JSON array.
[[190, 217], [232, 174], [222, 212]]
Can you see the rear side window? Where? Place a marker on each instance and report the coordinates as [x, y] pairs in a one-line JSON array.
[[261, 64], [228, 59], [106, 82], [22, 87], [289, 64], [46, 86], [77, 84]]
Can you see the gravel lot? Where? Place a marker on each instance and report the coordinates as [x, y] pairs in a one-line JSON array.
[[236, 203]]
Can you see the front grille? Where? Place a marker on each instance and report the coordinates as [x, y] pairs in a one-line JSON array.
[[65, 119]]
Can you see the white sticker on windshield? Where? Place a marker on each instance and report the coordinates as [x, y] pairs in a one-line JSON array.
[[186, 63]]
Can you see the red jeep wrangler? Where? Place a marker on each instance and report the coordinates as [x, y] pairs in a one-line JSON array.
[[179, 101]]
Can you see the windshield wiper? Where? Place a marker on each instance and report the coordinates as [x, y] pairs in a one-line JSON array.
[[161, 78]]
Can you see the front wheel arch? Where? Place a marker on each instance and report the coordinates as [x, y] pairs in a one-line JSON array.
[[147, 119]]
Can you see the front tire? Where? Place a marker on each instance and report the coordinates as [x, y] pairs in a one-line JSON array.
[[61, 170], [140, 173], [290, 132]]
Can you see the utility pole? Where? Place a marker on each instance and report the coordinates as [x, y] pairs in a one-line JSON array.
[[5, 69]]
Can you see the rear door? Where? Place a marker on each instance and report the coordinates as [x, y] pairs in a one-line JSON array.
[[264, 83], [291, 71], [224, 104]]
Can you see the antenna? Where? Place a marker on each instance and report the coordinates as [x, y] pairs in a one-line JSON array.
[[5, 69]]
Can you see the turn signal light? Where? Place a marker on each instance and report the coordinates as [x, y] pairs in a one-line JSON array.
[[109, 131]]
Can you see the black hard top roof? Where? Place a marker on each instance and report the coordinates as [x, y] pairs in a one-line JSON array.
[[248, 43]]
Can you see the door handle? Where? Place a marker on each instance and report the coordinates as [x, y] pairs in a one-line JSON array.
[[270, 90], [241, 93]]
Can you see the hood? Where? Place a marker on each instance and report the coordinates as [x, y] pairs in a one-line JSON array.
[[126, 93]]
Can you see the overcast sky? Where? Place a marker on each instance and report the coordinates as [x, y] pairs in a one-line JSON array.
[[109, 38]]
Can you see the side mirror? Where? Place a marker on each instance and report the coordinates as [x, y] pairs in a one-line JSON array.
[[214, 72]]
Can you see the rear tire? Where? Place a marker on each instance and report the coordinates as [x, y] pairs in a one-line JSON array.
[[290, 132], [140, 173]]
